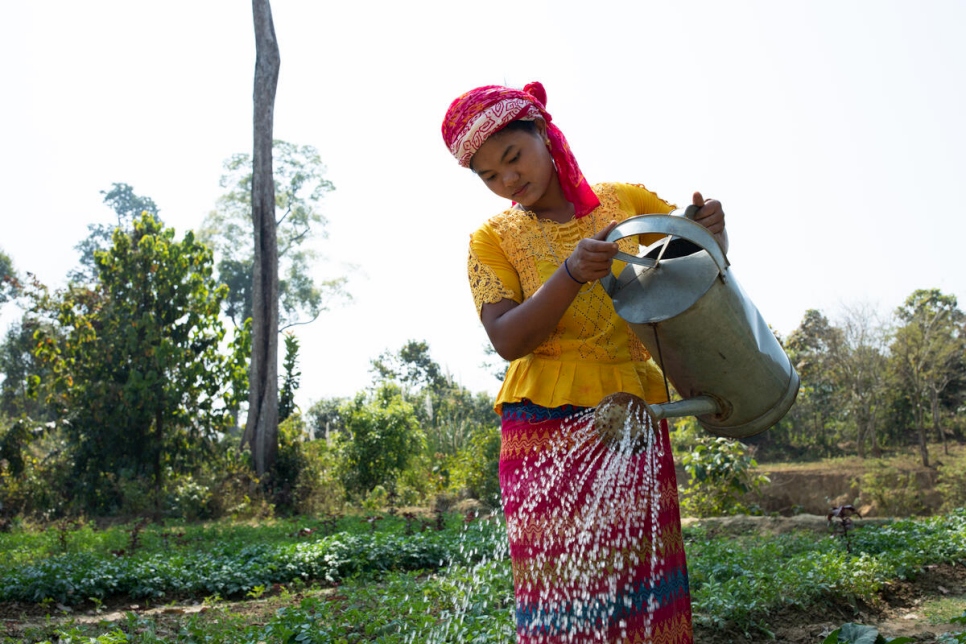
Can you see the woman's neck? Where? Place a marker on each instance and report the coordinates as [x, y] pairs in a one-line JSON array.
[[553, 205]]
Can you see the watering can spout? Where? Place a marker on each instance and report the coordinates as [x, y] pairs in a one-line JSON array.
[[697, 406]]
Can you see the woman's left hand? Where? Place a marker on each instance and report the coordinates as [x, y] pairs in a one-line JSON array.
[[711, 216]]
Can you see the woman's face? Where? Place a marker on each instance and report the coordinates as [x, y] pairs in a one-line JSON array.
[[516, 164]]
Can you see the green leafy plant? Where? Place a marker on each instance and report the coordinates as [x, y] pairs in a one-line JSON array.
[[858, 634], [840, 522], [721, 473]]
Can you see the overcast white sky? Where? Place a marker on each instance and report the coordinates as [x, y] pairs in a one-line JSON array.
[[832, 132]]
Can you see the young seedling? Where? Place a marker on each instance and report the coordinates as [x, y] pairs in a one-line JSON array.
[[840, 522]]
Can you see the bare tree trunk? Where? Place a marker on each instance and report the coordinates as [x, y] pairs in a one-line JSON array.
[[876, 447], [921, 425], [934, 403], [261, 427]]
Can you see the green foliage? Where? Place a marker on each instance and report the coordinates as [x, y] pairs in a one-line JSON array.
[[955, 638], [208, 562], [23, 372], [324, 417], [743, 579], [721, 473], [475, 470], [737, 582], [137, 368], [380, 437], [238, 368], [300, 187], [928, 354], [858, 634], [449, 414], [302, 480], [34, 470], [127, 208], [290, 378], [8, 278], [952, 485]]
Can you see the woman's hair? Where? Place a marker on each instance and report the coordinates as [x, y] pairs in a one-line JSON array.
[[523, 126]]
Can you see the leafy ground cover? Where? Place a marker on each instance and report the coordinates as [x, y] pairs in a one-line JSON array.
[[402, 580]]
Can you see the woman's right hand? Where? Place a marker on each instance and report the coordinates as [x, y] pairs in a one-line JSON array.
[[593, 256], [517, 329]]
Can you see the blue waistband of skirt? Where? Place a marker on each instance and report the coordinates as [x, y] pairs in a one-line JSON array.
[[532, 412]]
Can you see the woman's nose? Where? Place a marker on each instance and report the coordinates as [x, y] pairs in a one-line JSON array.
[[510, 178]]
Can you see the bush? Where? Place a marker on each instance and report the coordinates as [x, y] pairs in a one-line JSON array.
[[475, 470], [34, 471], [721, 473]]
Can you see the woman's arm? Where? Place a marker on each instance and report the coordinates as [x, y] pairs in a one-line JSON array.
[[517, 329]]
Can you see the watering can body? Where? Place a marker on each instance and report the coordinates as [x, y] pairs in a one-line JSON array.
[[709, 338]]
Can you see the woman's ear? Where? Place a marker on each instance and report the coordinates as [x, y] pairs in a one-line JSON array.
[[541, 127], [542, 131]]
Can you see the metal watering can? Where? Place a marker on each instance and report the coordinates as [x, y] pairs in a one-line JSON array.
[[681, 299]]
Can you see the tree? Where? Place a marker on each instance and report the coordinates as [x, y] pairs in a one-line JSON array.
[[380, 437], [290, 381], [261, 428], [139, 379], [449, 413], [299, 189], [127, 208], [927, 349], [809, 348], [23, 371], [860, 367], [8, 278], [325, 417]]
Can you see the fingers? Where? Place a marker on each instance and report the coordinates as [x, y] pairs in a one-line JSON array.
[[711, 214], [602, 234], [593, 256]]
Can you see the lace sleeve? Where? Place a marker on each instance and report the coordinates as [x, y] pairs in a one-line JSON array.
[[492, 277]]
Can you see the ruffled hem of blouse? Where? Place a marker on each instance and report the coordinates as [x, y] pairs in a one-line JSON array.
[[554, 383]]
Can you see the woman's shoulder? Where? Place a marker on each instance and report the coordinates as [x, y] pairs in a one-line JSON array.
[[508, 223], [500, 223], [621, 188], [631, 196]]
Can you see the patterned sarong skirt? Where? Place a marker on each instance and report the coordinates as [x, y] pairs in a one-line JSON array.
[[594, 531]]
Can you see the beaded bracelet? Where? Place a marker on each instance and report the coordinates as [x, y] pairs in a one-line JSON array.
[[567, 268]]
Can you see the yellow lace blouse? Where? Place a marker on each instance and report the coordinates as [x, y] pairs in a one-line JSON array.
[[592, 352]]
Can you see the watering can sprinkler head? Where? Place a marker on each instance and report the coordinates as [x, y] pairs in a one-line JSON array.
[[622, 418]]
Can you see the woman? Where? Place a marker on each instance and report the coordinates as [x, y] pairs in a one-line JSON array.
[[594, 528]]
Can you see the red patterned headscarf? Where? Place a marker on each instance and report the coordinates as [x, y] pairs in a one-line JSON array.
[[478, 114]]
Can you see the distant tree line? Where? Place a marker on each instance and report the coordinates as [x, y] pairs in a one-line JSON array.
[[870, 383], [121, 393]]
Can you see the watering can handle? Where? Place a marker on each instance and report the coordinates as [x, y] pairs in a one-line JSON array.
[[678, 226]]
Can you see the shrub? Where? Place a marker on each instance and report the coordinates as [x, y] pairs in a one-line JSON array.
[[475, 470], [721, 473]]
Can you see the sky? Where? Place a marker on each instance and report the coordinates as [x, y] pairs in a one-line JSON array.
[[832, 132]]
